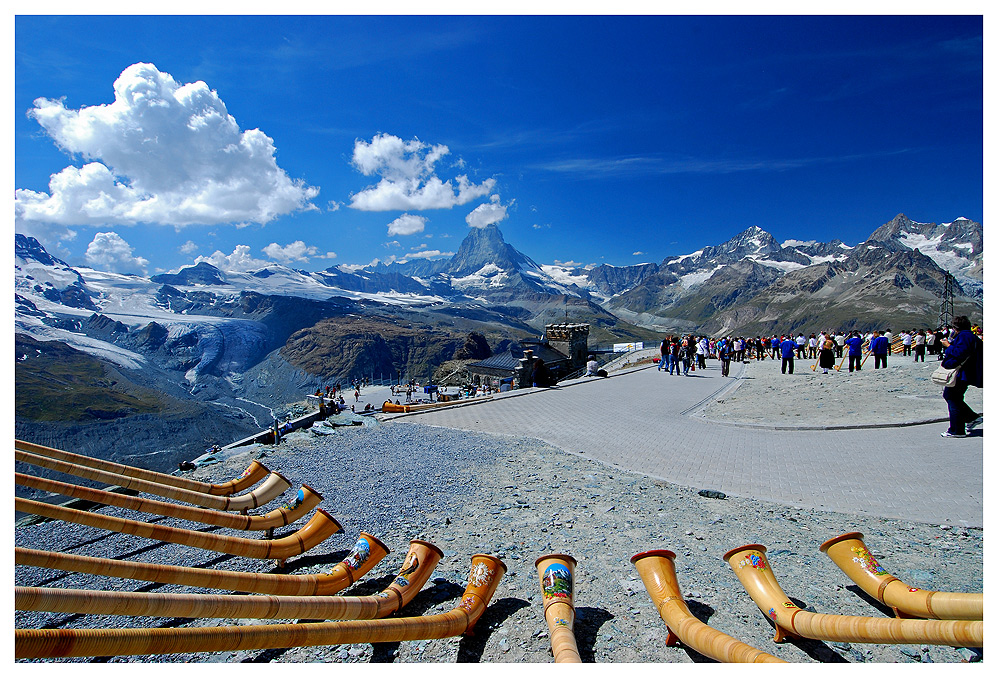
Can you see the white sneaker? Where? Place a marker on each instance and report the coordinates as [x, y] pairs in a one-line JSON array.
[[947, 434]]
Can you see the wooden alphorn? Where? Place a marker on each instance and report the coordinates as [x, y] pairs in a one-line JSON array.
[[416, 569], [306, 500], [366, 553], [271, 488], [254, 473], [486, 571], [314, 532], [851, 555], [658, 572], [752, 569], [845, 354], [557, 573]]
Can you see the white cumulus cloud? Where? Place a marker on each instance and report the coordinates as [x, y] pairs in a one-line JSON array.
[[426, 254], [408, 181], [296, 251], [161, 152], [239, 261], [488, 213], [407, 224], [109, 252], [188, 247]]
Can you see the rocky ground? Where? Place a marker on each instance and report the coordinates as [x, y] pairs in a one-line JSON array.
[[519, 499]]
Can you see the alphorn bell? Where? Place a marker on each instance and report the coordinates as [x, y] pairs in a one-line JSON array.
[[486, 571], [658, 572], [557, 573], [366, 553], [416, 569], [254, 473], [851, 555], [305, 500], [314, 532], [752, 569], [271, 488]]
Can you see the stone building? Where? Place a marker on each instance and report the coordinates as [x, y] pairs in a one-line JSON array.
[[563, 349]]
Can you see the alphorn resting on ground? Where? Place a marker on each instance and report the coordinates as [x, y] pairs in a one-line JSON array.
[[753, 571], [366, 553], [271, 488], [416, 570], [658, 572], [851, 555], [306, 500], [254, 473], [557, 574], [314, 532], [486, 571]]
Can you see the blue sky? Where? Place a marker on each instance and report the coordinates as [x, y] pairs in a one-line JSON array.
[[318, 141]]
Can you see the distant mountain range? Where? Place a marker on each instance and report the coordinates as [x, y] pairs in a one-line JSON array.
[[250, 341]]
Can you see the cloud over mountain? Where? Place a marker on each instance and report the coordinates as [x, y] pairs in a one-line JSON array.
[[408, 181], [162, 152], [487, 214], [110, 252]]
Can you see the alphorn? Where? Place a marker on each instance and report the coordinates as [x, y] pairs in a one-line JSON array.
[[416, 570], [658, 572], [314, 532], [851, 555], [752, 569], [306, 500], [845, 354], [254, 473], [486, 571], [366, 553], [557, 573], [272, 487]]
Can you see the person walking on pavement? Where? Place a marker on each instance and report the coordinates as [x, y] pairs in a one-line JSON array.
[[724, 353], [787, 348], [663, 362], [880, 346], [965, 351], [674, 349]]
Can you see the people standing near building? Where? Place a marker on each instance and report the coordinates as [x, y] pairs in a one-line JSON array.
[[965, 351], [880, 346], [919, 342], [855, 344], [592, 366], [787, 349]]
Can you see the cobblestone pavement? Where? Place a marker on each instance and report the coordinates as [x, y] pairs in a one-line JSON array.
[[645, 421]]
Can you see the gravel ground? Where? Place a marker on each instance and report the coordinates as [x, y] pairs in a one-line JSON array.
[[902, 393], [519, 499]]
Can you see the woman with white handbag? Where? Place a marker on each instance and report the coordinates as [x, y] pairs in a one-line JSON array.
[[964, 354]]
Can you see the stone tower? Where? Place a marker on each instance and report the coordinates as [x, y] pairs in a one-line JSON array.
[[572, 339]]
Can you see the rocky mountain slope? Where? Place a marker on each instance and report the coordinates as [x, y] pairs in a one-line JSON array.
[[248, 342]]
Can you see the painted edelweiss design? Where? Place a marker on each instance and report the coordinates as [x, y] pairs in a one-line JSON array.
[[481, 575]]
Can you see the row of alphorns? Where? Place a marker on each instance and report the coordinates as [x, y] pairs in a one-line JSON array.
[[285, 596], [945, 618]]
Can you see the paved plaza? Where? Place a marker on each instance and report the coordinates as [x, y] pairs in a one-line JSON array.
[[650, 423]]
